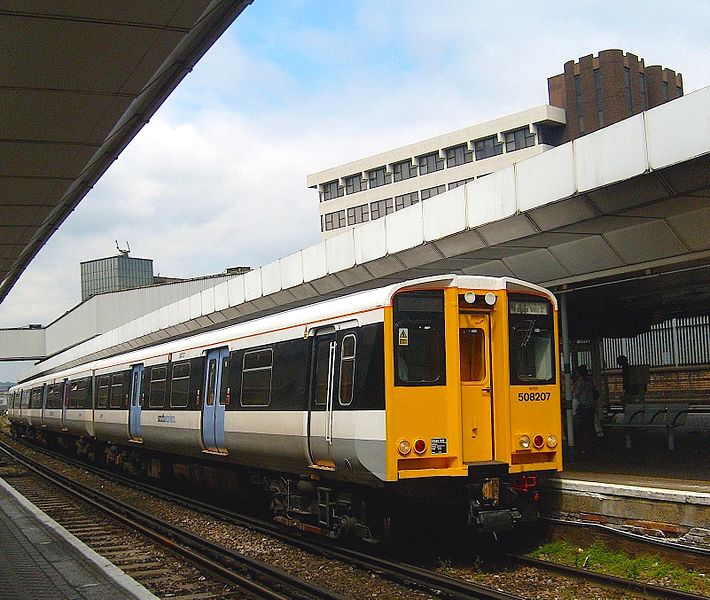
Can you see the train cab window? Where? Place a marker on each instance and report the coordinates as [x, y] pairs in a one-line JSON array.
[[116, 400], [472, 347], [158, 378], [347, 369], [180, 385], [256, 378], [104, 384], [531, 338], [419, 354]]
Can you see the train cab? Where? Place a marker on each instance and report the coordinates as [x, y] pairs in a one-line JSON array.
[[472, 390]]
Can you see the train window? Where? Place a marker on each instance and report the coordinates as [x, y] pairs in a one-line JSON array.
[[158, 377], [472, 344], [25, 402], [419, 353], [322, 371], [36, 398], [531, 338], [180, 385], [211, 381], [347, 369], [103, 392], [52, 395], [116, 400], [256, 378], [78, 394]]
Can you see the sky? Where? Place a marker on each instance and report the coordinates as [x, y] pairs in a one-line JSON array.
[[218, 177]]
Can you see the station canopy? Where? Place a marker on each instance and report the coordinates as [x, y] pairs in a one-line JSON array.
[[80, 78]]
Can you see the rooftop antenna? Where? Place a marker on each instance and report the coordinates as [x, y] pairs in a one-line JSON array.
[[125, 252]]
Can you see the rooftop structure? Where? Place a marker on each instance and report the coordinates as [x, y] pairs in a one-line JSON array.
[[114, 273]]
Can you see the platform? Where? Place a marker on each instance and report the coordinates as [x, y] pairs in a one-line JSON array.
[[647, 489], [39, 559]]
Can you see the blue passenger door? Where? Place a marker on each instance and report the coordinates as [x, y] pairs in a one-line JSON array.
[[134, 404], [213, 404], [66, 390]]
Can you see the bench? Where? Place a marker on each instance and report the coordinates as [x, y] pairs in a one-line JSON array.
[[647, 416]]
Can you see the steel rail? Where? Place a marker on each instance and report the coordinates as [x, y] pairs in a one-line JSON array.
[[602, 578]]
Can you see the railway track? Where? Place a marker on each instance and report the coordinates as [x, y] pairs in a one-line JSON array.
[[440, 586]]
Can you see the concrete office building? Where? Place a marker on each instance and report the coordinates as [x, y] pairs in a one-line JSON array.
[[590, 94], [113, 274]]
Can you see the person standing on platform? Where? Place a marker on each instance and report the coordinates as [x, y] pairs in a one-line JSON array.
[[583, 409], [623, 362]]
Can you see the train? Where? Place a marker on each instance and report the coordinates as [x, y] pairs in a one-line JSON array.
[[440, 393]]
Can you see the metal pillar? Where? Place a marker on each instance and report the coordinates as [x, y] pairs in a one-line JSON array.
[[567, 369]]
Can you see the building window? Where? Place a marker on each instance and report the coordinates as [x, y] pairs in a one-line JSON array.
[[458, 155], [627, 86], [358, 214], [433, 191], [488, 147], [429, 163], [331, 190], [580, 103], [354, 184], [598, 95], [405, 200], [644, 91], [378, 177], [334, 220], [518, 139], [404, 170], [454, 184], [380, 208]]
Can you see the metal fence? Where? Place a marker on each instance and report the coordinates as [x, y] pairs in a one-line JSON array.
[[678, 342]]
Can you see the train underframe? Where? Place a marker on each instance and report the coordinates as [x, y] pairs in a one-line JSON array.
[[488, 501]]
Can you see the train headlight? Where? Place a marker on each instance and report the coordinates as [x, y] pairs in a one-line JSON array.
[[469, 297], [552, 440], [490, 298], [420, 446], [404, 447], [538, 441], [524, 441]]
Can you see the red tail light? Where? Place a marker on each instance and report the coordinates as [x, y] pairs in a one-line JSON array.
[[420, 446], [538, 441]]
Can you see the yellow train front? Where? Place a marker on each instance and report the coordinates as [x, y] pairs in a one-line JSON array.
[[472, 395]]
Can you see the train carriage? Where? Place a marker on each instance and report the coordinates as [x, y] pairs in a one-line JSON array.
[[441, 392]]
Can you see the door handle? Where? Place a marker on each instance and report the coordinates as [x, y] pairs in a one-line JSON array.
[[486, 389]]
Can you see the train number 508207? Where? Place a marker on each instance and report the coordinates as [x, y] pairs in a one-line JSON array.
[[533, 396]]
